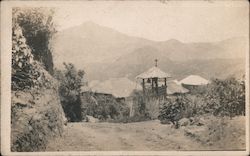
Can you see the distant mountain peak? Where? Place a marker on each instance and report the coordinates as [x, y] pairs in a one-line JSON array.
[[105, 52]]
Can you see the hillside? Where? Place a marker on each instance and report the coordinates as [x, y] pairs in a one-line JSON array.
[[85, 42], [104, 53], [135, 63]]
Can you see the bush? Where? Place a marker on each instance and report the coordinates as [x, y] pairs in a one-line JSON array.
[[220, 98], [195, 105], [71, 81], [225, 97], [104, 107], [173, 110]]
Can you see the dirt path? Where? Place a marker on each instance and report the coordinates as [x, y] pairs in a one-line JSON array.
[[150, 135]]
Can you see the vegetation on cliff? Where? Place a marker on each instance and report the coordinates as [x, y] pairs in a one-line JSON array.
[[36, 112]]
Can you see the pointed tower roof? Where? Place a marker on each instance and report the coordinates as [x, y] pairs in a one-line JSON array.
[[153, 73]]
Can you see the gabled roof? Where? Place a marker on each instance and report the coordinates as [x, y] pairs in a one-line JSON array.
[[119, 87], [173, 87], [152, 73], [194, 80]]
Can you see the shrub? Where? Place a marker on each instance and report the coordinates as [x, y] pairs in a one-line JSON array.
[[71, 81], [173, 110], [225, 97], [104, 107], [195, 105]]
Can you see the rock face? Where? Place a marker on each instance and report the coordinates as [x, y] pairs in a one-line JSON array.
[[37, 116], [36, 112]]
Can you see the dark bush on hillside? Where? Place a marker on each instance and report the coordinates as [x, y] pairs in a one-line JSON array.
[[71, 81], [38, 28]]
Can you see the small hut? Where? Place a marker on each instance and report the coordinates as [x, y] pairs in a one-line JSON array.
[[119, 87], [154, 81], [193, 81]]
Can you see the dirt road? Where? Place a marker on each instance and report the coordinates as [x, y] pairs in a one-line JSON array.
[[150, 135], [113, 136]]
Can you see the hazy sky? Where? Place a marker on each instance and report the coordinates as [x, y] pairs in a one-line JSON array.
[[186, 21]]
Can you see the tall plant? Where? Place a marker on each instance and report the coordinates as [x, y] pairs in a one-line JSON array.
[[71, 81]]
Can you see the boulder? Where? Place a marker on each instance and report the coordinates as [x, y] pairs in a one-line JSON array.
[[91, 119], [197, 121], [184, 122], [201, 122]]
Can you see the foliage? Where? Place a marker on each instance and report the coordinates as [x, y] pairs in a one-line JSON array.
[[104, 107], [225, 97], [71, 81], [38, 28], [173, 110], [195, 106], [26, 73], [220, 98], [21, 60]]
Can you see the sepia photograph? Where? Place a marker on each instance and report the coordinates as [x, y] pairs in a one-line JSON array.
[[124, 77]]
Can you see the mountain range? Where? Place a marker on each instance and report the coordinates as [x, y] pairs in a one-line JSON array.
[[106, 53]]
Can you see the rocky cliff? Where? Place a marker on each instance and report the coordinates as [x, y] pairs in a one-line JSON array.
[[36, 112]]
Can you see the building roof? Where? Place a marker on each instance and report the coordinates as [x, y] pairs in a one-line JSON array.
[[194, 80], [119, 87], [152, 73], [173, 87], [85, 89]]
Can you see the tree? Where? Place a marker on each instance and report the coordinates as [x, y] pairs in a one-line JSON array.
[[226, 97], [71, 81], [38, 28]]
